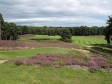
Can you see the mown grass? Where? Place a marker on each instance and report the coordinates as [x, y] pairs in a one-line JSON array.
[[83, 41], [46, 36], [12, 74], [10, 54], [98, 44], [80, 40], [40, 38]]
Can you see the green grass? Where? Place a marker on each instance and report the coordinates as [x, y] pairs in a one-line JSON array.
[[9, 54], [83, 41], [98, 43], [46, 36], [41, 38], [12, 74]]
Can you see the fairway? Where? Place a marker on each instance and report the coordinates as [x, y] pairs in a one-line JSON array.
[[11, 54], [83, 41], [40, 38]]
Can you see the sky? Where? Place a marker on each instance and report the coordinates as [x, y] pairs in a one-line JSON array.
[[56, 12]]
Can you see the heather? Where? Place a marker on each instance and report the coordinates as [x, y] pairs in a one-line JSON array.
[[57, 60], [8, 45]]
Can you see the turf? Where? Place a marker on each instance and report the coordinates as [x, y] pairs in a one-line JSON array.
[[83, 41], [10, 54], [12, 74], [41, 38], [98, 44]]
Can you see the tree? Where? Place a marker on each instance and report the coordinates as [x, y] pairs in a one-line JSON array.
[[25, 30], [9, 31], [108, 32], [66, 35], [109, 27], [1, 24]]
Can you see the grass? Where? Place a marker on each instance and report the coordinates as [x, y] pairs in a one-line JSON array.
[[78, 40], [40, 38], [10, 54], [46, 36], [83, 41], [98, 44], [12, 74]]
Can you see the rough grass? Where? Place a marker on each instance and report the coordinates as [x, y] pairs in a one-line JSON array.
[[12, 74]]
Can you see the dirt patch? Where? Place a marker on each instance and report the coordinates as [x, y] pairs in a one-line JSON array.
[[26, 35], [21, 45], [83, 51]]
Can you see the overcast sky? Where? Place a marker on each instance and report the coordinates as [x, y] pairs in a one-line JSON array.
[[56, 12]]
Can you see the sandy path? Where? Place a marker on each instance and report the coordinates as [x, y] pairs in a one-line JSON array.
[[3, 61]]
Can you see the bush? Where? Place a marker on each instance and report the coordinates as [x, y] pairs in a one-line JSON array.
[[66, 35]]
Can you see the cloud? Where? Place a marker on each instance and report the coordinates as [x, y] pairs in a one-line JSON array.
[[56, 12]]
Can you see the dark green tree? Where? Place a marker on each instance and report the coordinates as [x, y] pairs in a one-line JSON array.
[[9, 31], [1, 24], [66, 35], [108, 32], [25, 30], [109, 27]]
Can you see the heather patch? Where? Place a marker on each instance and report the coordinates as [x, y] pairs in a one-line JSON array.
[[8, 45], [93, 63]]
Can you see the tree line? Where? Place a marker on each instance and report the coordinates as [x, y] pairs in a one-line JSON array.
[[11, 31], [79, 31]]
